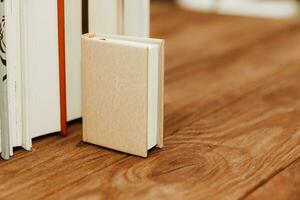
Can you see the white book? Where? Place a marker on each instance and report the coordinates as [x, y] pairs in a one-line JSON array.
[[32, 100], [124, 17], [4, 125], [40, 67], [104, 16], [73, 32], [136, 18], [13, 72], [12, 120], [30, 95], [128, 17]]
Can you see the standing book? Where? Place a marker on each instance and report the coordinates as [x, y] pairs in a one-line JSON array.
[[122, 17], [73, 32], [136, 21], [5, 140], [32, 72], [122, 91], [11, 94], [41, 84]]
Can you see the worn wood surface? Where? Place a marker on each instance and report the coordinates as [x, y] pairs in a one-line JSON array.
[[283, 186], [232, 122]]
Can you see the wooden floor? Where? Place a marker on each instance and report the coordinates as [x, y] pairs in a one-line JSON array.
[[232, 122]]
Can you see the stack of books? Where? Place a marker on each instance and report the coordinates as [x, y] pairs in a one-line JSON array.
[[41, 85]]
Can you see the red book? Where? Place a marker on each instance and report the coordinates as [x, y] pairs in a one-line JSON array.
[[62, 65]]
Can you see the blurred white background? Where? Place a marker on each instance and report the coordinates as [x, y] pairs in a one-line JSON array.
[[256, 8]]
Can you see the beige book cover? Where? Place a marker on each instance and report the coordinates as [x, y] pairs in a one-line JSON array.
[[115, 92]]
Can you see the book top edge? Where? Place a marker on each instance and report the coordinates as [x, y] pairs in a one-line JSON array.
[[122, 37]]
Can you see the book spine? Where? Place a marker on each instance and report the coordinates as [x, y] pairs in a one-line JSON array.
[[62, 65], [5, 141]]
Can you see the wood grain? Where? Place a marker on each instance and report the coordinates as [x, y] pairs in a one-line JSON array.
[[232, 115], [284, 185]]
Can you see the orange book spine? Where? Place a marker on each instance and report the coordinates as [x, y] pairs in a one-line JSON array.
[[62, 65]]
